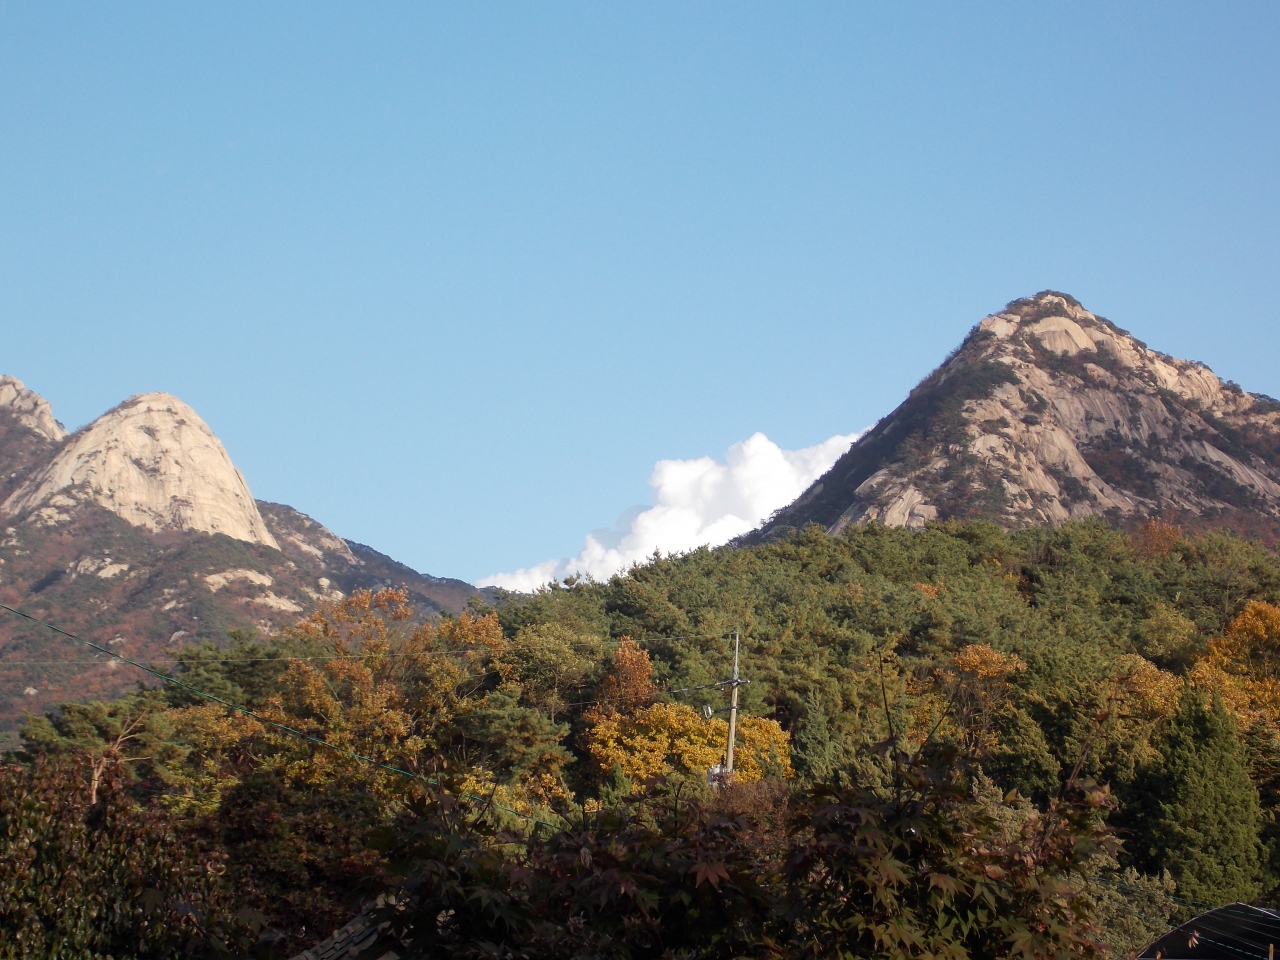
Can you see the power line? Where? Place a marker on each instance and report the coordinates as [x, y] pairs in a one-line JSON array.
[[687, 636], [256, 716], [646, 696], [1171, 896], [613, 642]]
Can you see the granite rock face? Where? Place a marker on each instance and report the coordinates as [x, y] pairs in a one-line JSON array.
[[29, 409], [151, 461], [1048, 412]]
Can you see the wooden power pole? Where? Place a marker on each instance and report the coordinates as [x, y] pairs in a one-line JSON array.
[[733, 708], [723, 772]]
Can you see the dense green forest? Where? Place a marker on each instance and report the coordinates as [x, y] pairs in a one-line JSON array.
[[956, 742]]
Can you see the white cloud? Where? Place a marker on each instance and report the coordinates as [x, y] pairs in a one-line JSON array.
[[695, 503]]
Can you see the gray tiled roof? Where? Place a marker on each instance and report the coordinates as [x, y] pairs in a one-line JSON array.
[[360, 937]]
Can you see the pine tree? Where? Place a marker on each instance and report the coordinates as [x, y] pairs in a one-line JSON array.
[[1207, 815], [814, 750]]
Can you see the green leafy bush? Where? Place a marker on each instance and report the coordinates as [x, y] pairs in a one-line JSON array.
[[909, 862], [87, 873]]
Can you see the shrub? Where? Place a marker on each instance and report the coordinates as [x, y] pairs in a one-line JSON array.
[[86, 873]]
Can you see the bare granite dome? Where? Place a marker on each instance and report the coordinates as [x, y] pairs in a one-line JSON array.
[[29, 408], [152, 461]]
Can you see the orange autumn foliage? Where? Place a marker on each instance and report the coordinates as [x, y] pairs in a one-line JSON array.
[[365, 681], [1243, 665], [627, 685], [961, 698], [977, 661], [1155, 538], [1150, 693]]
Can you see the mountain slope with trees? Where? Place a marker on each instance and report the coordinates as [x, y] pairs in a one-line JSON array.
[[1064, 688], [140, 534]]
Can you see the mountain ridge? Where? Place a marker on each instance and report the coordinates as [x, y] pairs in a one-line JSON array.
[[1047, 412], [139, 533]]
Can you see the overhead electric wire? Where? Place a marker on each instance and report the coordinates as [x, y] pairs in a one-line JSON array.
[[686, 636], [1171, 896], [614, 641], [648, 696], [256, 716]]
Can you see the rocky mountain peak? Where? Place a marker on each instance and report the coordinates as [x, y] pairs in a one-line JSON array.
[[151, 461], [149, 585], [30, 409], [1045, 412]]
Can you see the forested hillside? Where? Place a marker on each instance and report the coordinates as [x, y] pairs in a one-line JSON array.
[[1042, 743]]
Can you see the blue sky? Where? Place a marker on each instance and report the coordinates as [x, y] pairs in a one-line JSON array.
[[453, 278]]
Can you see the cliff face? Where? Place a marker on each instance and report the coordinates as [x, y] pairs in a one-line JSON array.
[[153, 462], [1048, 412], [28, 433], [29, 409]]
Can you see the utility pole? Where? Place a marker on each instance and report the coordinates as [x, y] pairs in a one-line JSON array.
[[722, 773], [733, 709]]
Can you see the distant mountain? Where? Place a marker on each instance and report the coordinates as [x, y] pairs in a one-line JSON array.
[[1047, 412], [139, 533]]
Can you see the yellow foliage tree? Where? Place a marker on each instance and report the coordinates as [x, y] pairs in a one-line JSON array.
[[1151, 693], [1252, 641], [962, 698], [1243, 665], [364, 682], [220, 740], [666, 738]]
